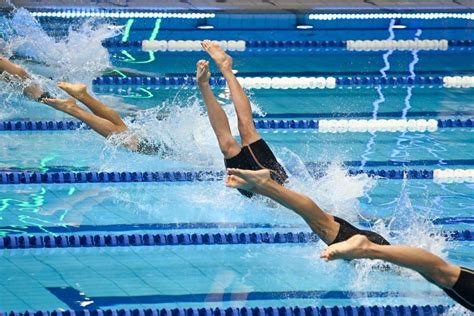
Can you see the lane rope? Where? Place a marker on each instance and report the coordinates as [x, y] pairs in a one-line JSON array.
[[277, 45], [324, 125], [288, 82], [25, 177], [126, 240], [364, 310]]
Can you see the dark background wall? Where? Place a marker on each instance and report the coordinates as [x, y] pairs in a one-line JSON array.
[[256, 5]]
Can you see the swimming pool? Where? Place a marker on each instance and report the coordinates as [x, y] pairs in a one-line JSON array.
[[185, 243]]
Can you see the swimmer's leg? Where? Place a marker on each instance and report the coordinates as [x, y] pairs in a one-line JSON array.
[[259, 182], [79, 91], [102, 126], [217, 116], [247, 130], [431, 267], [33, 90]]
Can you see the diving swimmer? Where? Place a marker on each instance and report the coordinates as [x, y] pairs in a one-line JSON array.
[[348, 242], [103, 120], [253, 152], [32, 90]]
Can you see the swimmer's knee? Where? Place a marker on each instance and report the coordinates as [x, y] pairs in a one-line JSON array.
[[249, 136], [229, 147], [247, 128], [120, 128]]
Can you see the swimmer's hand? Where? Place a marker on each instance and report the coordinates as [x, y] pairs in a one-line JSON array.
[[202, 72]]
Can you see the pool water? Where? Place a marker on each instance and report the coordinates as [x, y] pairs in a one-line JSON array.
[[412, 211]]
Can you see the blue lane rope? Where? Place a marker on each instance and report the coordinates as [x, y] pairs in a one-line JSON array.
[[413, 310], [260, 124], [312, 165], [113, 43], [125, 240], [25, 177], [107, 177], [220, 81]]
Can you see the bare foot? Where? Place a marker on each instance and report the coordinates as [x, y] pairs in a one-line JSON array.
[[76, 90], [249, 180], [223, 61], [202, 72], [352, 248], [65, 105]]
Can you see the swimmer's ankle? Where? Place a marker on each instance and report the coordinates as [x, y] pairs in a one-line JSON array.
[[262, 186], [368, 250], [226, 70], [203, 84]]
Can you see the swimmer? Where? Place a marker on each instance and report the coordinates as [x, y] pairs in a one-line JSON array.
[[348, 242], [253, 153], [329, 228], [457, 282], [32, 90], [103, 120]]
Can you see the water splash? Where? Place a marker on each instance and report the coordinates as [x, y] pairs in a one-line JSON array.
[[416, 228], [410, 228], [78, 57], [181, 128], [335, 191]]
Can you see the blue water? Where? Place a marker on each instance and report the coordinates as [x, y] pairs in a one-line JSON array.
[[240, 275]]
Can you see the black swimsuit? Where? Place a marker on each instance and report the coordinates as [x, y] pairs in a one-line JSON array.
[[45, 95], [257, 156], [346, 231], [146, 147], [463, 290]]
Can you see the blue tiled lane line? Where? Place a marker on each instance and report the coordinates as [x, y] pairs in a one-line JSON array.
[[73, 297]]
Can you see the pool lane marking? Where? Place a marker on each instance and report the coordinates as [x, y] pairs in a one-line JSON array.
[[77, 300], [128, 27], [151, 54], [309, 164], [190, 226]]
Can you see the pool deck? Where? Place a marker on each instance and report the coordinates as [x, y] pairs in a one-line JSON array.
[[256, 5]]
